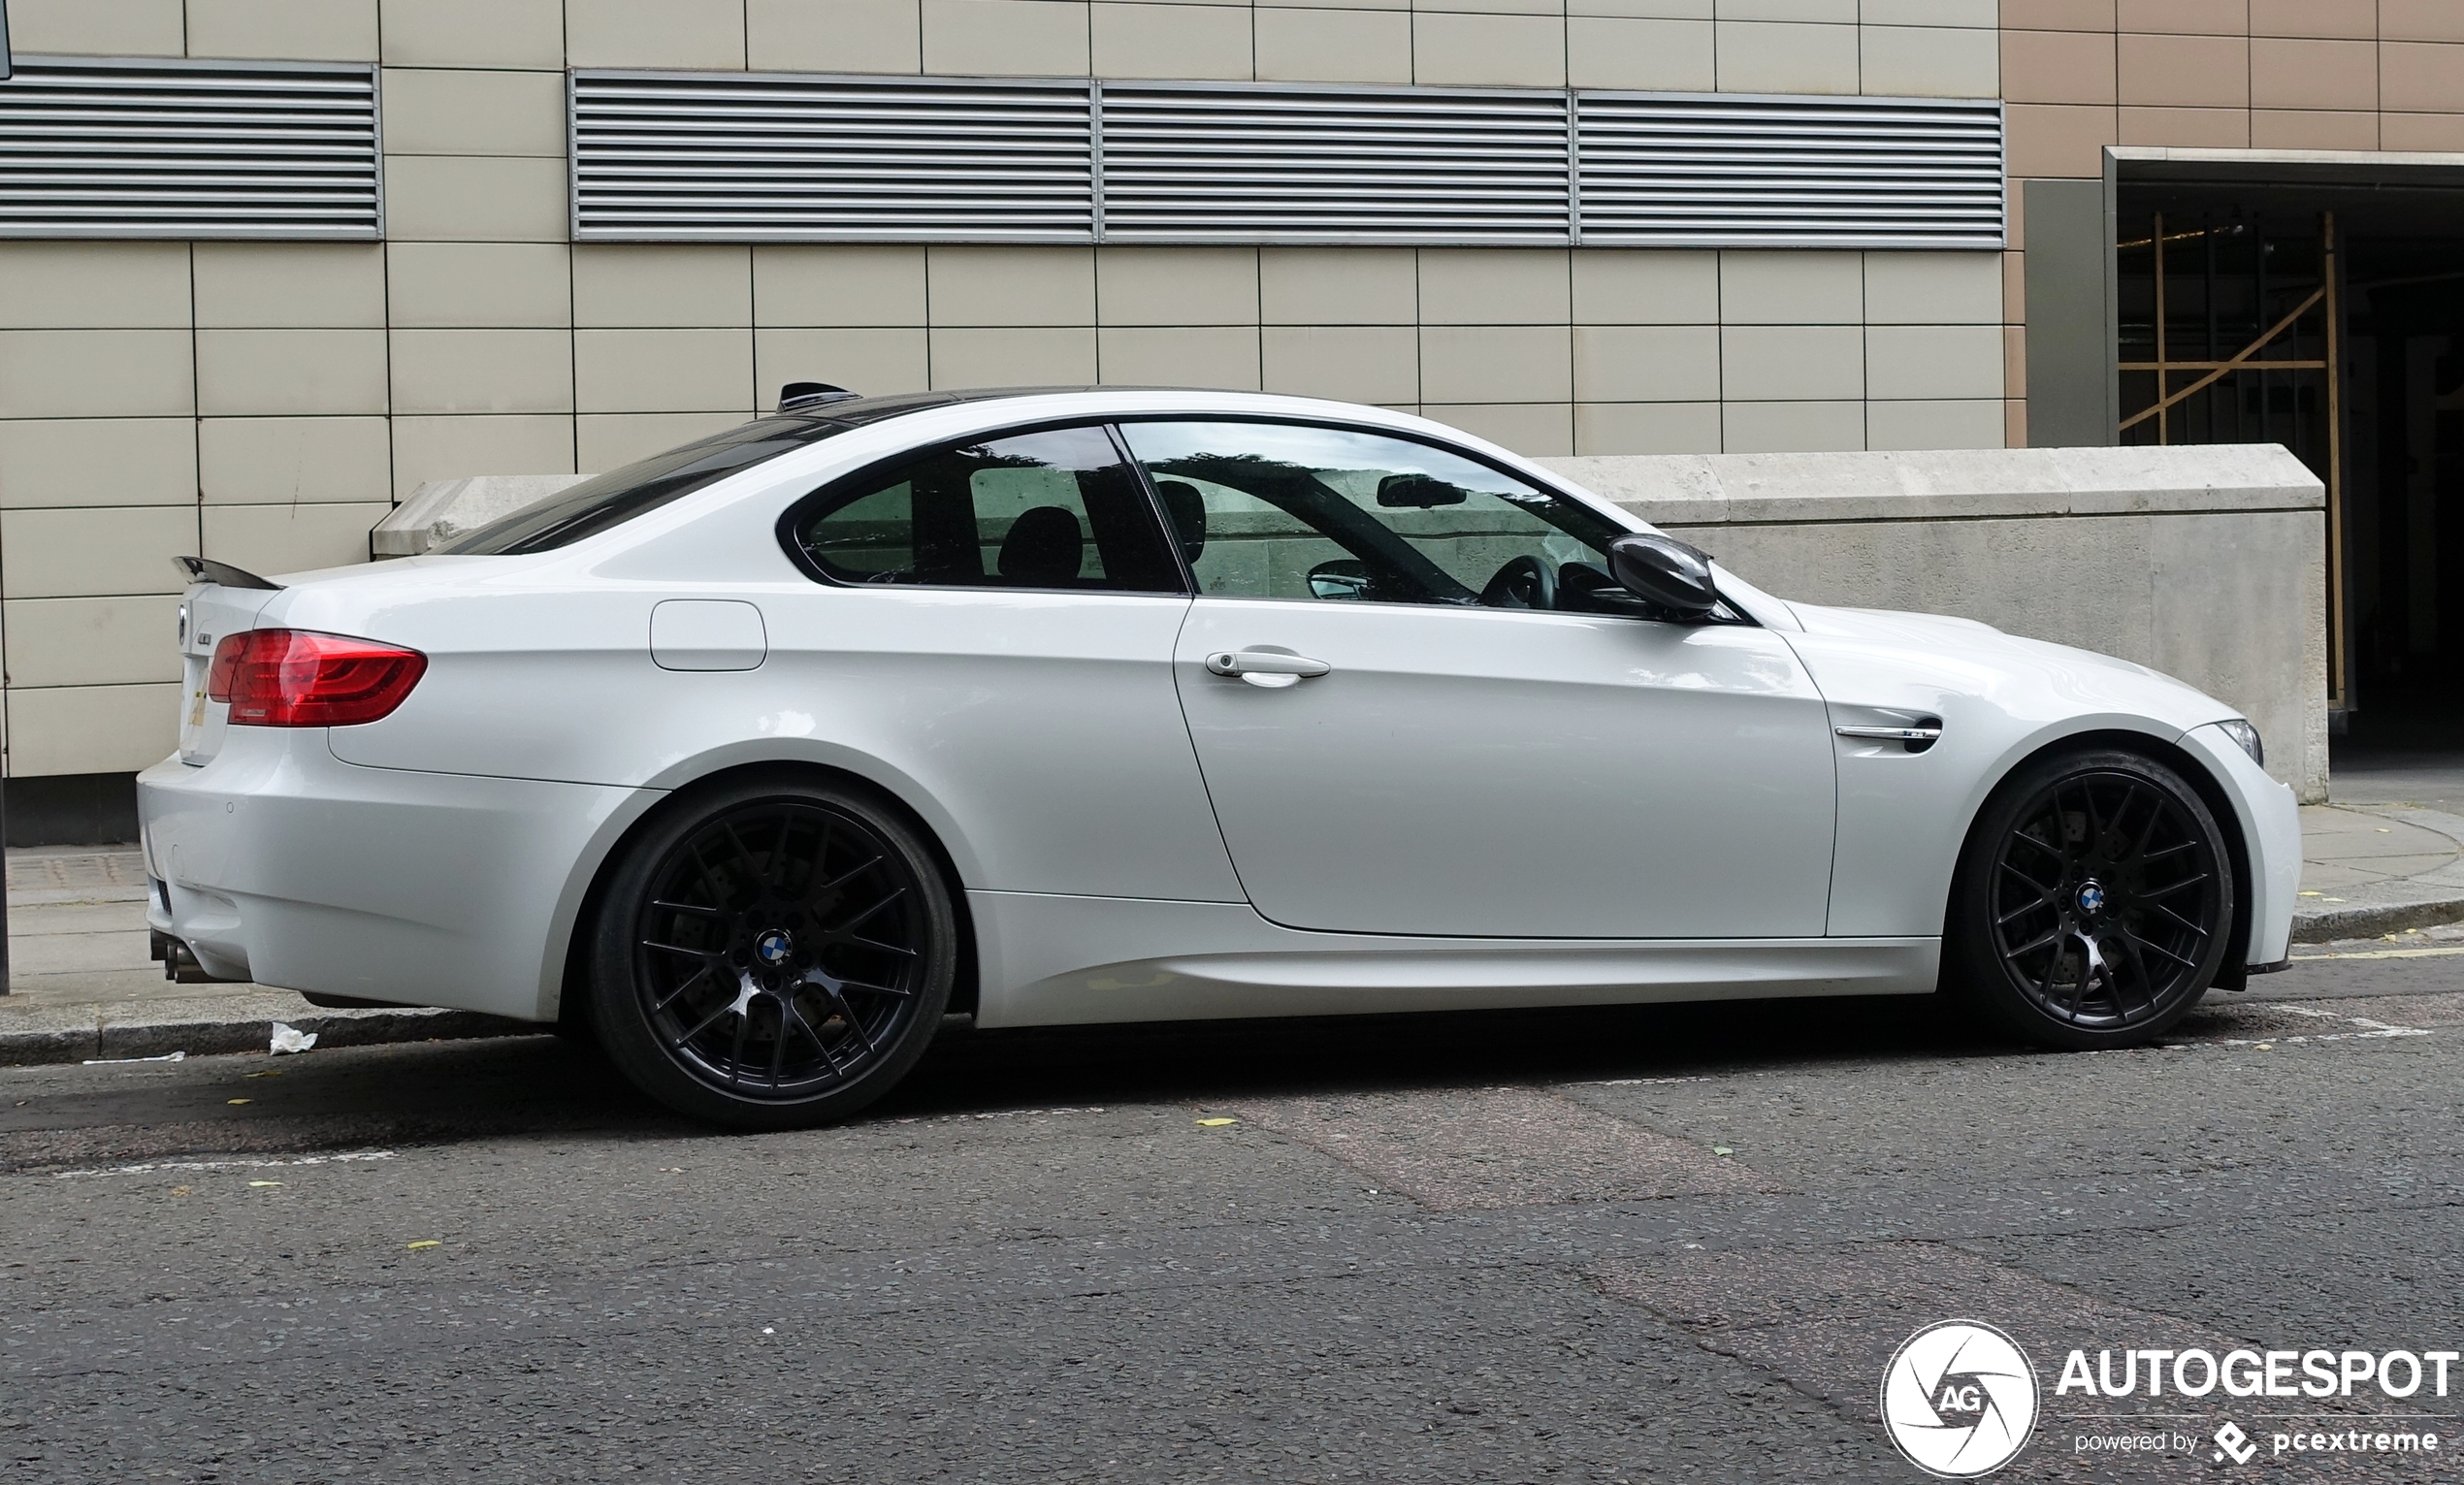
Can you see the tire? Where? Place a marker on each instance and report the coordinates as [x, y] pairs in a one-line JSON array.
[[773, 953], [2094, 903]]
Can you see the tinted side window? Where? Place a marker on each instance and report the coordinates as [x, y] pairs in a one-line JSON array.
[[1047, 510], [1278, 510]]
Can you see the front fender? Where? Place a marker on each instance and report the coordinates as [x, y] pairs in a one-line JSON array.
[[1904, 817]]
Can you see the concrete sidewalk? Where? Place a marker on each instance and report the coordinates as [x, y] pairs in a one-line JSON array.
[[2383, 854], [82, 985]]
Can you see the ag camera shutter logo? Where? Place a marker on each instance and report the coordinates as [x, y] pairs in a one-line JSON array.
[[1958, 1399]]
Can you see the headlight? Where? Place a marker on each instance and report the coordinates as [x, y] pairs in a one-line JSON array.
[[2248, 736]]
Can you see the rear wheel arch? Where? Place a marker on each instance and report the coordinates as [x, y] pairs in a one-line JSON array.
[[575, 999]]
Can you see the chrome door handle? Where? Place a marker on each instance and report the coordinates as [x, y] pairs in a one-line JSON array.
[[1892, 734], [1266, 667]]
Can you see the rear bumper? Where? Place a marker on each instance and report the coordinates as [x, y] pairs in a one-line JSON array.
[[282, 864]]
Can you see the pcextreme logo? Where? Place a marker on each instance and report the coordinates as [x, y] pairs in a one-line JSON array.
[[1958, 1399]]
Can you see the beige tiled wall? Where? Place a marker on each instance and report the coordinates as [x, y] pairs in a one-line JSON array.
[[263, 403]]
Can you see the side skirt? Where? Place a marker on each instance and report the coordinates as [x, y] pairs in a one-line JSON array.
[[1052, 960]]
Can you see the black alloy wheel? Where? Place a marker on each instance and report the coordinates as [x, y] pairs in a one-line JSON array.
[[2096, 902], [774, 954]]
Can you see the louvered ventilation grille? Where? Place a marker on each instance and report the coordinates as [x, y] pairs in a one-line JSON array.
[[1717, 171], [1248, 164], [672, 156], [189, 149], [751, 158]]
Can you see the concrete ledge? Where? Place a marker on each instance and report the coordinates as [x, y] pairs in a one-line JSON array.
[[442, 511], [2206, 562], [1948, 484]]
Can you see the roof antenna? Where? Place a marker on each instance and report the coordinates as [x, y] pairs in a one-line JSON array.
[[802, 396]]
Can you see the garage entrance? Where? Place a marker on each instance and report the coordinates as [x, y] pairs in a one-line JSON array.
[[2320, 306]]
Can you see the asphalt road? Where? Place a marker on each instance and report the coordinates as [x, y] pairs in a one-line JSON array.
[[1648, 1244]]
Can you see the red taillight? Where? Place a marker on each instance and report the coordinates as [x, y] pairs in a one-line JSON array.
[[295, 678], [226, 661]]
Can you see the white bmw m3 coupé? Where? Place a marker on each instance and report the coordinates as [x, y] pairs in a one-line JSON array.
[[757, 757]]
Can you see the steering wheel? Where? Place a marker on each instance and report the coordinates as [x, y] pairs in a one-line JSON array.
[[1524, 582]]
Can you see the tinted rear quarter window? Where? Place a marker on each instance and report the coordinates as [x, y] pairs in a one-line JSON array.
[[610, 500], [1056, 509]]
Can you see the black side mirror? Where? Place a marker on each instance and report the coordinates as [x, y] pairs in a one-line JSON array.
[[1418, 492], [1664, 572]]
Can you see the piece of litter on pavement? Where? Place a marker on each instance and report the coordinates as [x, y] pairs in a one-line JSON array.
[[424, 1243], [238, 1100], [1722, 1149], [1216, 1123], [169, 1057], [770, 1330], [291, 1039], [265, 1184]]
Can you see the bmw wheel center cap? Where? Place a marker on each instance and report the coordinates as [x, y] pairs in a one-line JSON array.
[[2092, 898], [773, 948]]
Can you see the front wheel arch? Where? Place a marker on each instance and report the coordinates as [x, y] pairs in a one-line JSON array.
[[2194, 771], [1978, 965]]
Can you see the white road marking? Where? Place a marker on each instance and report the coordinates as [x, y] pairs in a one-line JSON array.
[[223, 1165], [996, 1113], [1633, 1082], [2370, 1031], [2353, 1020], [2380, 953], [2292, 1041]]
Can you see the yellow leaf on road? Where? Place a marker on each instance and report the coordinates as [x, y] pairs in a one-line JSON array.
[[1216, 1123]]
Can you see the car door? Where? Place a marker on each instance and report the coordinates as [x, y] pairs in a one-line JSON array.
[[994, 622], [1421, 708]]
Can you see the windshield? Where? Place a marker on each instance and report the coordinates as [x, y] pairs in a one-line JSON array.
[[617, 496]]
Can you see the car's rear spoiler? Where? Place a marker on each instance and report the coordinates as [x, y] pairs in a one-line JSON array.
[[205, 569]]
